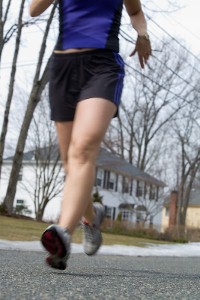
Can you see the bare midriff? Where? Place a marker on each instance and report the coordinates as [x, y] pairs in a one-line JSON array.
[[73, 50]]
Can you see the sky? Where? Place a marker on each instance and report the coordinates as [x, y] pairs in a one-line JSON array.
[[182, 23], [172, 250]]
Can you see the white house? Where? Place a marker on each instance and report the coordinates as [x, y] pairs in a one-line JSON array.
[[126, 190]]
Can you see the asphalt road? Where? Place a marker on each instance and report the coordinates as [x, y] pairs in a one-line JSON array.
[[23, 275]]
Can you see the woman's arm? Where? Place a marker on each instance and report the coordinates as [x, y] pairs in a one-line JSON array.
[[37, 7], [138, 21], [135, 12]]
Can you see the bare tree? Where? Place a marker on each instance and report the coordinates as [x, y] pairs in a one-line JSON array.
[[188, 147], [8, 25], [49, 182], [9, 29], [12, 78], [3, 19], [39, 82], [150, 102], [45, 163], [150, 207]]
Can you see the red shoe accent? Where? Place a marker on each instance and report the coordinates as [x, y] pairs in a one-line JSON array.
[[86, 222]]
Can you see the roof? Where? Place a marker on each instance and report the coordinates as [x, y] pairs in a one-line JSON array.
[[105, 160], [195, 197], [193, 201], [108, 160], [44, 153]]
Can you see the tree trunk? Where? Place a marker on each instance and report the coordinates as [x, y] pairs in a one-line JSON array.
[[17, 160], [1, 27], [41, 208], [3, 19], [39, 214], [35, 95], [11, 86]]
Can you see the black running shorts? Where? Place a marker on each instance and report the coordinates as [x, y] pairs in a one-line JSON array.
[[78, 76]]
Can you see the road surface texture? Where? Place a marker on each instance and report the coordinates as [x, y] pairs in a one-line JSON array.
[[24, 275]]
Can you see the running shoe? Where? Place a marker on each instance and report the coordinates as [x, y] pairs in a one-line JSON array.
[[92, 239], [56, 241]]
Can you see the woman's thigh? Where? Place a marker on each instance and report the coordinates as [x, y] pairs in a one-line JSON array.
[[91, 121]]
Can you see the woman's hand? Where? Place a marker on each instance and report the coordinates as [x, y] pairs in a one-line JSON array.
[[143, 49], [138, 21]]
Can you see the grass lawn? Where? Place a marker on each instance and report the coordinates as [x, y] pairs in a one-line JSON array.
[[15, 229]]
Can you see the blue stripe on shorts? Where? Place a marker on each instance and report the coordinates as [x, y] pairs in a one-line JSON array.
[[119, 85]]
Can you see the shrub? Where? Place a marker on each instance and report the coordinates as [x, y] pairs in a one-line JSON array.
[[119, 217], [129, 229], [193, 234], [21, 210], [97, 197], [175, 234], [3, 210], [135, 230]]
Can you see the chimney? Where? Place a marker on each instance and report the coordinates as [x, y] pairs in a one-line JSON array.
[[173, 208]]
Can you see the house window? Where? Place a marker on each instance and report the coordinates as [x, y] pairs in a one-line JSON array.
[[125, 185], [126, 215], [141, 212], [20, 207], [139, 189], [116, 182], [106, 179], [108, 212], [20, 202], [99, 178], [111, 182], [111, 185], [152, 195], [131, 190]]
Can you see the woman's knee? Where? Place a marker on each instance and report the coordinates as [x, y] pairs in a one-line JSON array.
[[83, 151]]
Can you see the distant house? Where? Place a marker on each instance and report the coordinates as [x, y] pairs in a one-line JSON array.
[[122, 186], [125, 188], [170, 206]]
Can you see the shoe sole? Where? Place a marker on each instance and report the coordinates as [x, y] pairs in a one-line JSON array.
[[55, 246]]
